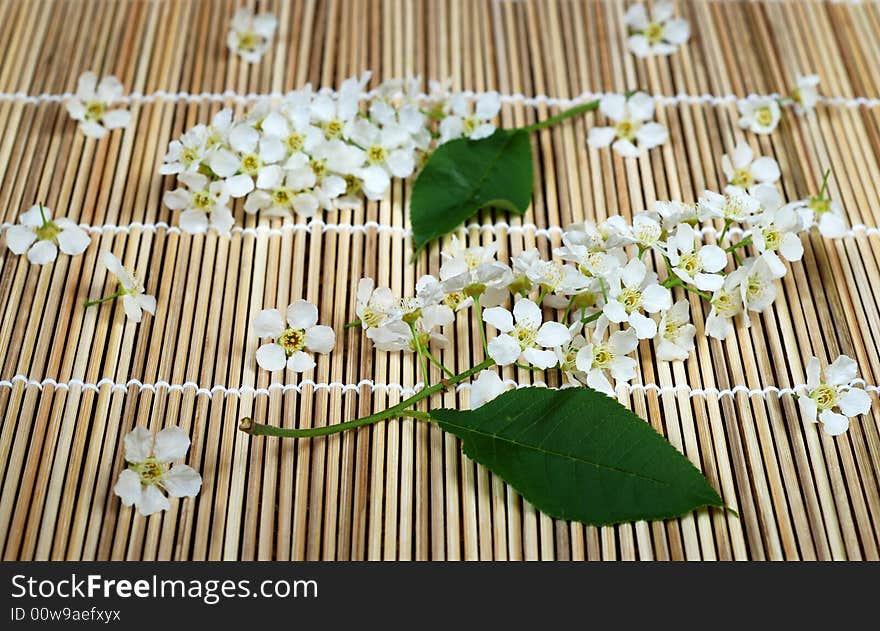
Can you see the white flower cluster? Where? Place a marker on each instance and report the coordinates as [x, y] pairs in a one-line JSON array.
[[602, 282], [315, 150], [762, 114]]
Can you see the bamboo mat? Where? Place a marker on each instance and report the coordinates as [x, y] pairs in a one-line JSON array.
[[74, 381]]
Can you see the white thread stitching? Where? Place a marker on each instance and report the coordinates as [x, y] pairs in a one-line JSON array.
[[406, 391], [496, 228], [516, 98]]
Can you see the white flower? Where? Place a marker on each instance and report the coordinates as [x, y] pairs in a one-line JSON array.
[[806, 94], [630, 118], [487, 386], [760, 114], [675, 333], [468, 271], [567, 355], [249, 35], [674, 212], [599, 357], [726, 304], [734, 205], [460, 122], [285, 190], [825, 213], [657, 35], [41, 237], [742, 169], [696, 265], [524, 338], [148, 473], [776, 231], [375, 307], [646, 232], [91, 105], [836, 390], [134, 300], [396, 335], [637, 291], [204, 204], [756, 284], [293, 338], [188, 153]]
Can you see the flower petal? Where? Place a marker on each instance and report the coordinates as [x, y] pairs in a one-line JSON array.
[[128, 487], [42, 252], [499, 317], [152, 501], [320, 339], [540, 358], [526, 311], [300, 362], [268, 323], [833, 423], [271, 357], [20, 238], [302, 314], [504, 350], [854, 402], [486, 387], [114, 119], [138, 445], [73, 241], [601, 137], [182, 481], [553, 334], [652, 135], [842, 371], [172, 443], [808, 407]]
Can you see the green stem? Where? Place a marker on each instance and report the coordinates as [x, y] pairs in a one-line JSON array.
[[739, 244], [422, 362], [724, 230], [701, 294], [568, 309], [114, 296], [736, 258], [422, 416], [591, 318], [43, 216], [525, 367], [824, 183], [352, 324], [479, 311], [553, 120], [258, 429], [437, 363]]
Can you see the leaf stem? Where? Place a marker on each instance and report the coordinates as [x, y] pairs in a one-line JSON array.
[[415, 335], [401, 409], [724, 230], [824, 183], [554, 120], [352, 324]]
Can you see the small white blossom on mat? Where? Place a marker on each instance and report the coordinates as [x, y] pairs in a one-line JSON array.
[[291, 339], [775, 230], [734, 205], [760, 114], [696, 264], [657, 34], [637, 291], [375, 305], [148, 473], [91, 105], [204, 204], [836, 390], [487, 386], [461, 122], [250, 35], [134, 299], [600, 357], [675, 333], [397, 335], [41, 236], [631, 133], [744, 171], [823, 212], [526, 336], [806, 94]]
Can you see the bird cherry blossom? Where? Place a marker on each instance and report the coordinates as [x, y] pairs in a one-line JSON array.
[[657, 34], [149, 471], [487, 386], [759, 114], [806, 94], [292, 338], [41, 236], [524, 335], [92, 106], [134, 299], [631, 132], [601, 357], [249, 35], [837, 389], [743, 170]]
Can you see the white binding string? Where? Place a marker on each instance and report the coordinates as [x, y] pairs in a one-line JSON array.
[[371, 386], [513, 99], [497, 228]]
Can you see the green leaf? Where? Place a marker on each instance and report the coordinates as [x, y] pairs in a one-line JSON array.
[[464, 175], [578, 454]]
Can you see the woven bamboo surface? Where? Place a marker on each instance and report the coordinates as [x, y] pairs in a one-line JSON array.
[[73, 381]]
